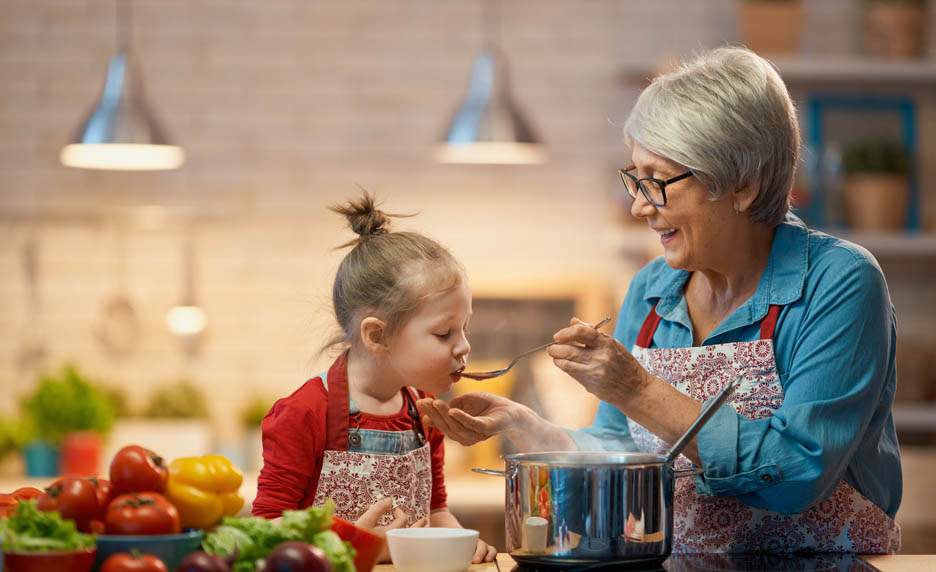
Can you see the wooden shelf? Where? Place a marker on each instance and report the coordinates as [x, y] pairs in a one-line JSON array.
[[847, 70], [858, 70], [901, 244], [915, 416]]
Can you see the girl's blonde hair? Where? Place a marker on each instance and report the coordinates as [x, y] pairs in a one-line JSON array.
[[386, 274]]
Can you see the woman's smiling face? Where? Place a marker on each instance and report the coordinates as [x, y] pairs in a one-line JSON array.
[[691, 226]]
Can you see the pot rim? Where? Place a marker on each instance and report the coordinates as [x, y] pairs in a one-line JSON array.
[[587, 458]]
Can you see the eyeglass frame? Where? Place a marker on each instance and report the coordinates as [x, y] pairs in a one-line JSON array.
[[661, 182]]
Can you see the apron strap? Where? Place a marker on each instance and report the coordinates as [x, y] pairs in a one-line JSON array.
[[767, 327], [339, 404], [336, 418], [649, 327], [769, 323]]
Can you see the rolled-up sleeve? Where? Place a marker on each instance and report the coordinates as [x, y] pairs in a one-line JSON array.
[[837, 376]]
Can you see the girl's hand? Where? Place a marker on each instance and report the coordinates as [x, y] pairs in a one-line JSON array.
[[469, 418], [368, 521], [484, 552]]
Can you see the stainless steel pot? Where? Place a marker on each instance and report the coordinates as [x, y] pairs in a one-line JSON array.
[[584, 507]]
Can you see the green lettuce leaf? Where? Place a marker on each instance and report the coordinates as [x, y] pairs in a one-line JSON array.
[[28, 529]]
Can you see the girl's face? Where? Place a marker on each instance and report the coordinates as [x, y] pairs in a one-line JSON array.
[[430, 350], [692, 227]]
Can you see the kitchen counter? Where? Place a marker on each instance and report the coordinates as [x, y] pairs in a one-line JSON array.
[[884, 563]]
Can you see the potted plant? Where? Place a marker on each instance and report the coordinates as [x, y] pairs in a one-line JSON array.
[[876, 186], [65, 419], [894, 28], [252, 416], [172, 421], [771, 27]]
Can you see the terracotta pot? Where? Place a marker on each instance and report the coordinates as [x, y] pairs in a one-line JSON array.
[[81, 454], [771, 28], [894, 30], [876, 201]]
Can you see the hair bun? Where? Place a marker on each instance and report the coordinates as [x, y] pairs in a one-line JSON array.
[[363, 217]]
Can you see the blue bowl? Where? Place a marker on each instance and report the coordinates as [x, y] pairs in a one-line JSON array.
[[170, 548]]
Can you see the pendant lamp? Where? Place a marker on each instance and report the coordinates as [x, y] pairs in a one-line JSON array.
[[489, 127], [121, 132], [187, 320]]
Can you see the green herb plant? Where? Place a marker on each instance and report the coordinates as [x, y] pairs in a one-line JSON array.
[[64, 404], [255, 410], [872, 156], [179, 400]]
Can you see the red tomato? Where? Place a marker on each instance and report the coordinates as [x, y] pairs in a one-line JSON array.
[[24, 493], [142, 513], [136, 562], [74, 498], [104, 492], [136, 469], [368, 545]]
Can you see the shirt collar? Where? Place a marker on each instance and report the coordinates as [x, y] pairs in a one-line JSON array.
[[781, 283]]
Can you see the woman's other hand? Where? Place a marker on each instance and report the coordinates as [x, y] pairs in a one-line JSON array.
[[469, 418], [599, 362]]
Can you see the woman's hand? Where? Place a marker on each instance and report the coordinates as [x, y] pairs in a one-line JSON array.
[[469, 418], [368, 521], [484, 552], [599, 363], [473, 417]]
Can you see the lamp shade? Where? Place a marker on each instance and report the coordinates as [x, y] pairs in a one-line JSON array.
[[121, 132], [489, 127]]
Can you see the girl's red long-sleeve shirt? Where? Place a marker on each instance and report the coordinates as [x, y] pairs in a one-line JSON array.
[[294, 445]]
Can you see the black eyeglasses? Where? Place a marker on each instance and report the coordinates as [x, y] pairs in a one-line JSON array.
[[654, 190]]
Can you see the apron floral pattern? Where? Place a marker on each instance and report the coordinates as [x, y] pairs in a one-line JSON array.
[[356, 480], [844, 522]]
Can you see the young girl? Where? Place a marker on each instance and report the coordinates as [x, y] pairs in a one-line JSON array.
[[353, 434]]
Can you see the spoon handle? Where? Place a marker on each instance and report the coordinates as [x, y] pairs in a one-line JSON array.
[[703, 417], [544, 346]]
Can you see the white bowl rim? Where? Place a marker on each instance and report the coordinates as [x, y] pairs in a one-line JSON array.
[[435, 532]]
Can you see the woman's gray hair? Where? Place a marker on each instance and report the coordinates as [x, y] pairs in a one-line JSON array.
[[728, 116]]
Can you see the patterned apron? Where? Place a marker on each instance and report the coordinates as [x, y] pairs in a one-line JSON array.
[[844, 522], [356, 480]]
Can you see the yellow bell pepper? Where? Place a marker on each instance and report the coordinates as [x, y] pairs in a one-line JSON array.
[[204, 489]]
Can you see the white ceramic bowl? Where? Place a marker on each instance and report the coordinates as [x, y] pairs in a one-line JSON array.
[[432, 549]]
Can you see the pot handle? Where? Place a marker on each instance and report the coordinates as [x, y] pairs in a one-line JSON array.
[[680, 473], [491, 472]]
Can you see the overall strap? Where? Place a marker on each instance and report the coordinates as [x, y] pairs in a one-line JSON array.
[[414, 414], [767, 327]]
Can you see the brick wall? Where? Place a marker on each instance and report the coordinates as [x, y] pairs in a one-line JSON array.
[[284, 107]]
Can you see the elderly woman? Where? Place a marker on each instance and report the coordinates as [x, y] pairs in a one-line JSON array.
[[804, 455]]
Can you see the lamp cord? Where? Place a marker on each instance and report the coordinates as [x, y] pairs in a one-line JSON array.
[[124, 10], [490, 24]]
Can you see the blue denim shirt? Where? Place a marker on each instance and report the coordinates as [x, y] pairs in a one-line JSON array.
[[834, 345]]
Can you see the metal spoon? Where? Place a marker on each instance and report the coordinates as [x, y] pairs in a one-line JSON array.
[[482, 375]]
